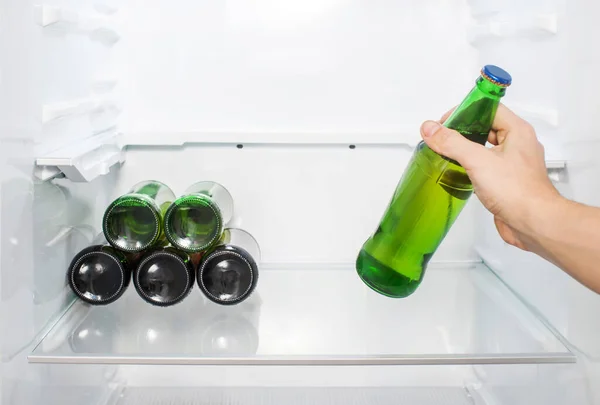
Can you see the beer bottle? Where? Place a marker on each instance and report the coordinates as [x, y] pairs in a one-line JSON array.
[[133, 222], [431, 193], [100, 274], [195, 221], [228, 272]]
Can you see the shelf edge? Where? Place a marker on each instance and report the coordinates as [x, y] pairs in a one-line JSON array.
[[560, 358]]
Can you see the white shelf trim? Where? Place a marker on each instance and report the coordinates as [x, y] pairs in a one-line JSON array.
[[47, 15], [399, 138], [271, 137], [94, 156], [85, 160], [51, 112]]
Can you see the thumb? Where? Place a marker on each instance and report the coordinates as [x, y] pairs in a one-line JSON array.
[[453, 145]]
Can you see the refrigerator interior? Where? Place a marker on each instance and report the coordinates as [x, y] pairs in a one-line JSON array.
[[307, 111]]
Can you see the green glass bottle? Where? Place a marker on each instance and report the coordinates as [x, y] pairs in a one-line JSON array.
[[431, 193], [133, 222], [195, 221]]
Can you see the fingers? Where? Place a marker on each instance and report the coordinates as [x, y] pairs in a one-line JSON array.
[[506, 120], [493, 138], [453, 145]]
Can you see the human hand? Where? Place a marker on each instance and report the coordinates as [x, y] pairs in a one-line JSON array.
[[509, 178]]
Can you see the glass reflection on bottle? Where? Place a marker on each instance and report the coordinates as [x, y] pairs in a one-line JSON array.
[[100, 274], [134, 221], [228, 273], [164, 277], [195, 221]]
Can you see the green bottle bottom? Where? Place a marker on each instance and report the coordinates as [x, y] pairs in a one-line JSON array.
[[384, 279], [427, 200]]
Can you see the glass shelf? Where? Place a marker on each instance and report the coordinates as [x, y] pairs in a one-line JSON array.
[[299, 396], [314, 315]]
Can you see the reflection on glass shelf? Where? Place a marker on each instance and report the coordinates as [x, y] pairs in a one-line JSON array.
[[297, 396], [323, 315]]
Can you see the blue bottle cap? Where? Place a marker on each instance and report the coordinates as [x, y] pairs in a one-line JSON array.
[[496, 75]]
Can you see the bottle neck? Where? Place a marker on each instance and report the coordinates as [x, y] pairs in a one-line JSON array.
[[474, 117]]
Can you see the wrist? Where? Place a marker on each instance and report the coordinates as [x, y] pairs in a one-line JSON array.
[[543, 219]]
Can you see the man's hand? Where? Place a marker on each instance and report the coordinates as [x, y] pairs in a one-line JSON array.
[[510, 178], [511, 181]]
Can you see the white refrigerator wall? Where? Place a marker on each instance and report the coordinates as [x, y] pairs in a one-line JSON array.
[[328, 66]]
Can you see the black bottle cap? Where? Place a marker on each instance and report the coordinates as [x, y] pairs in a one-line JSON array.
[[97, 276], [163, 278], [227, 275]]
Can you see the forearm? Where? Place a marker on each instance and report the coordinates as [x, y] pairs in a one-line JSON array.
[[568, 234]]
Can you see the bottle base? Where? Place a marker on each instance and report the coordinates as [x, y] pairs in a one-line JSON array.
[[383, 279]]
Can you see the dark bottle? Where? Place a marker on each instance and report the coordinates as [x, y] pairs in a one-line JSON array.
[[432, 192], [164, 277], [228, 273], [99, 274]]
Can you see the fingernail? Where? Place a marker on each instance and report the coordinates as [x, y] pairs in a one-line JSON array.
[[429, 128]]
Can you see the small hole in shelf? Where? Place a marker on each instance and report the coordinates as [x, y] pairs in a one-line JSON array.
[[239, 146], [352, 146]]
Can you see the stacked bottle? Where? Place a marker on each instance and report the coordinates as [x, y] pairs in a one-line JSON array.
[[165, 276], [228, 272], [134, 221], [195, 221], [100, 274], [165, 243]]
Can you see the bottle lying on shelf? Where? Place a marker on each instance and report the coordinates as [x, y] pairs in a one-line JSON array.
[[133, 222], [432, 192], [100, 274], [228, 272], [164, 276], [195, 221]]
